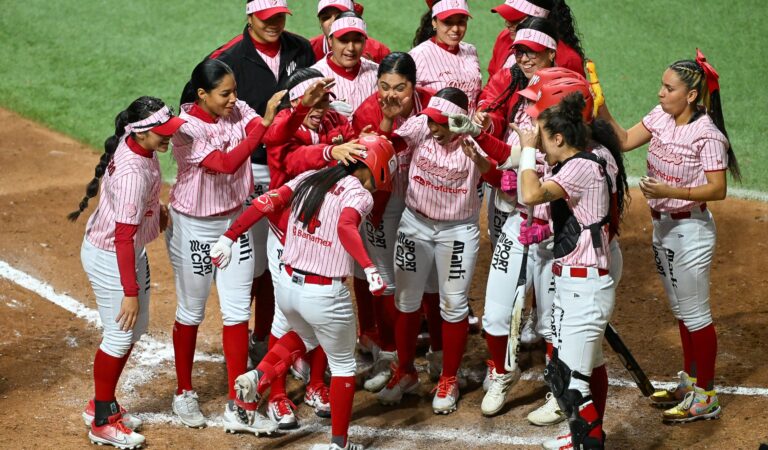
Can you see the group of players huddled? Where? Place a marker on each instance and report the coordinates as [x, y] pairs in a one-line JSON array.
[[373, 164]]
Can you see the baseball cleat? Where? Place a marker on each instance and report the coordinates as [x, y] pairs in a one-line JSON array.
[[116, 434], [489, 373], [246, 387], [547, 414], [129, 420], [528, 334], [349, 446], [256, 351], [187, 408], [399, 385], [280, 411], [381, 372], [300, 370], [696, 405], [671, 397], [318, 397], [558, 443], [497, 392], [243, 417], [446, 396]]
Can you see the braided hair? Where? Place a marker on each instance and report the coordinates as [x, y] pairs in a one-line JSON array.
[[141, 108], [692, 74]]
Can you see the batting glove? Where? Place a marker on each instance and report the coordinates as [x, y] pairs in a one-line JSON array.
[[342, 107], [221, 252], [534, 233], [375, 284], [509, 182], [462, 124]]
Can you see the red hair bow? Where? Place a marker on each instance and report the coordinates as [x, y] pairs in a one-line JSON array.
[[712, 77], [359, 9]]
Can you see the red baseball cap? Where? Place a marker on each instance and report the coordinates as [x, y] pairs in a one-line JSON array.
[[341, 5], [544, 76], [553, 92], [264, 9], [438, 107], [514, 10], [447, 8]]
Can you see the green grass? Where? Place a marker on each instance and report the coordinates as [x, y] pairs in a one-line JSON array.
[[74, 67]]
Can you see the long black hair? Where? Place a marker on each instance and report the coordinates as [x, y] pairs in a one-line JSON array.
[[455, 96], [297, 77], [308, 197], [425, 31], [141, 108], [565, 27], [519, 80], [692, 74], [207, 75], [603, 133], [399, 63]]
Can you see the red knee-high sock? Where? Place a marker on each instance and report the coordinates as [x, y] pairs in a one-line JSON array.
[[598, 385], [431, 304], [497, 347], [318, 363], [455, 339], [688, 356], [705, 352], [184, 342], [342, 396], [277, 388], [550, 350], [264, 305], [235, 343], [588, 412], [385, 321], [124, 359], [279, 358], [365, 314], [106, 373], [407, 330]]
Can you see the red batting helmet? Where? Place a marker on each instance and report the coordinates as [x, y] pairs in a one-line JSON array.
[[544, 76], [553, 92], [380, 158]]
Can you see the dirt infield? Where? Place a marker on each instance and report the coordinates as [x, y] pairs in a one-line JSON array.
[[46, 352]]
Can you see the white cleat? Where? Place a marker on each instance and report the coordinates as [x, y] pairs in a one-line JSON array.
[[256, 351], [558, 443], [399, 385], [528, 334], [381, 371], [187, 408], [497, 392], [319, 398], [281, 412], [547, 414], [245, 387], [129, 420], [446, 396], [116, 434], [300, 370], [246, 419], [489, 371], [349, 446]]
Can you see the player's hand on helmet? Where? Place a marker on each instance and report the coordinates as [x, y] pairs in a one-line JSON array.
[[345, 153], [221, 253], [534, 233], [469, 149], [392, 106], [342, 107], [529, 137], [653, 188], [315, 93], [367, 131], [483, 119], [509, 182], [375, 283], [462, 124], [129, 312], [271, 111]]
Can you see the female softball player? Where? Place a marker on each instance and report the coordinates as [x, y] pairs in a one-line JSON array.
[[688, 155], [212, 150], [569, 52], [396, 100], [322, 238], [128, 217], [327, 11]]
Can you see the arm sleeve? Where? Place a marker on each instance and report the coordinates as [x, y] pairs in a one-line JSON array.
[[126, 257], [285, 125], [231, 161], [493, 147], [493, 177], [307, 157], [268, 203], [349, 236]]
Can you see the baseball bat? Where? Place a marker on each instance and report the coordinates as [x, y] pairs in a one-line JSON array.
[[618, 346], [516, 319]]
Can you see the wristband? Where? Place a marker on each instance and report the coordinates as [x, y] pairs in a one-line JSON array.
[[527, 159]]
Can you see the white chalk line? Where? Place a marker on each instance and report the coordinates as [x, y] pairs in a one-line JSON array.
[[151, 353], [748, 194]]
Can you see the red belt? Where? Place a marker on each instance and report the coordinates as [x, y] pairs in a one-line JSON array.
[[535, 219], [311, 278], [677, 215], [577, 272]]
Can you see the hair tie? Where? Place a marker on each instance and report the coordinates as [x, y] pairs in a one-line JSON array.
[[712, 76]]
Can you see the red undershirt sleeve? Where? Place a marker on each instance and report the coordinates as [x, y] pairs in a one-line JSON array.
[[126, 257], [231, 161], [493, 147], [493, 177], [349, 236], [265, 204]]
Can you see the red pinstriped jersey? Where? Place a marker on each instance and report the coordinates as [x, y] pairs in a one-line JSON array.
[[442, 180], [437, 68], [351, 90], [200, 192], [316, 248], [680, 156], [273, 62], [129, 194], [588, 198]]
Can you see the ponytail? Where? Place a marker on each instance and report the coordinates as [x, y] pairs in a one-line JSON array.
[[565, 26], [311, 191], [141, 108], [425, 31]]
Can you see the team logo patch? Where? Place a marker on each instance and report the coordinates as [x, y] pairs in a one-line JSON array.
[[457, 270], [405, 253], [200, 256]]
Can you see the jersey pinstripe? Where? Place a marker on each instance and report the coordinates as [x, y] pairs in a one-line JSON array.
[[273, 62], [353, 91], [437, 68]]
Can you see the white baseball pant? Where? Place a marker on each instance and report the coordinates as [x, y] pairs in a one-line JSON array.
[[260, 229], [496, 217], [189, 246], [280, 325], [380, 242], [101, 268], [449, 248]]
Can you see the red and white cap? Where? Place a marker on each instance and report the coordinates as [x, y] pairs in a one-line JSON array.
[[298, 91], [514, 10], [161, 122], [447, 8], [379, 157], [534, 39], [341, 5], [554, 92], [438, 107], [544, 76], [345, 25], [264, 9]]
